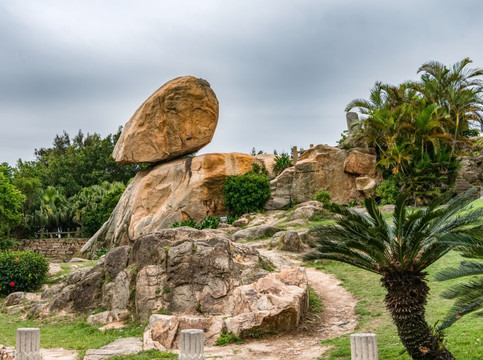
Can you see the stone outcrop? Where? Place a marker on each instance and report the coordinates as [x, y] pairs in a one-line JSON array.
[[275, 302], [178, 119], [160, 195], [323, 168], [201, 278]]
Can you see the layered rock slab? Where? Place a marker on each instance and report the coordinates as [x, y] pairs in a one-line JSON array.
[[178, 119], [160, 195]]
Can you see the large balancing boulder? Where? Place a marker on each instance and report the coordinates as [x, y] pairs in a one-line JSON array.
[[178, 119]]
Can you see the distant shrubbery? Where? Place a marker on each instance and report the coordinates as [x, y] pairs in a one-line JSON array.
[[246, 193], [282, 162], [210, 222], [21, 271]]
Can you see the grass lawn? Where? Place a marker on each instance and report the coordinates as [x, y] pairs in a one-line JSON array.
[[464, 338]]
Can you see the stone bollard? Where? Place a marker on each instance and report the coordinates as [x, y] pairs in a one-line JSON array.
[[364, 347], [192, 345], [28, 344]]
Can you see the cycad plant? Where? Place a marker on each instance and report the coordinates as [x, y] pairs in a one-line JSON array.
[[468, 295], [400, 252]]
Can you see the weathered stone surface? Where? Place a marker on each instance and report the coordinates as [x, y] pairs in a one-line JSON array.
[[267, 160], [161, 195], [163, 331], [308, 211], [320, 168], [87, 293], [116, 260], [178, 119], [116, 294], [16, 298], [290, 241], [360, 163], [366, 184], [192, 271], [255, 232], [124, 346], [275, 302]]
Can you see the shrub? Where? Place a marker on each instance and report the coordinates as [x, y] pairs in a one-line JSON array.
[[281, 163], [210, 222], [228, 338], [246, 193], [387, 191], [21, 271], [324, 197], [259, 169]]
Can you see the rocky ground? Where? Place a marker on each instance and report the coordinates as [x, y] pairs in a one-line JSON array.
[[281, 237]]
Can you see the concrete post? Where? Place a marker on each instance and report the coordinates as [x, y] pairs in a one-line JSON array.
[[192, 345], [364, 347], [28, 344]]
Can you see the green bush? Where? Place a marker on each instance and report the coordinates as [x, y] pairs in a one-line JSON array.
[[387, 191], [246, 193], [209, 222], [323, 196], [281, 163], [21, 271]]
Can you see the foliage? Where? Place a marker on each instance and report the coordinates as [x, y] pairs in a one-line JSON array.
[[282, 162], [100, 252], [254, 152], [418, 127], [259, 169], [228, 338], [468, 295], [93, 205], [147, 355], [246, 193], [324, 197], [21, 271], [387, 191], [400, 252], [210, 222], [314, 301], [10, 208]]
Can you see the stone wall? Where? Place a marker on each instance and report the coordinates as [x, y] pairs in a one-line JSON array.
[[57, 248]]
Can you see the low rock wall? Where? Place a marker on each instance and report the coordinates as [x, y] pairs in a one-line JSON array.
[[56, 248]]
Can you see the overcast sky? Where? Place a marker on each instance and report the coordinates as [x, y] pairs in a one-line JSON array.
[[283, 71]]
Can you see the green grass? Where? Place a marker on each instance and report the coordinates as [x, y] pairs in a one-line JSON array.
[[228, 338], [314, 301], [463, 339]]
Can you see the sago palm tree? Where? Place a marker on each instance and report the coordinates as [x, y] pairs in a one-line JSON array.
[[468, 295], [400, 252]]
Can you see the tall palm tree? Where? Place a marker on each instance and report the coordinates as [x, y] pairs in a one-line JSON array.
[[468, 295], [400, 252]]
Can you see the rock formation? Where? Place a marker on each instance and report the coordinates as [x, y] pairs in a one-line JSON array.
[[160, 195], [202, 278], [178, 119], [327, 168]]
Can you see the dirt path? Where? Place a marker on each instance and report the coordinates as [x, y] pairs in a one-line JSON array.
[[337, 318]]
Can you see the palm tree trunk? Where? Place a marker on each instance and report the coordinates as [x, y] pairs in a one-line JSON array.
[[405, 300]]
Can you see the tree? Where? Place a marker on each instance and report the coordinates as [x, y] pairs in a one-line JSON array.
[[468, 295], [10, 207], [400, 252]]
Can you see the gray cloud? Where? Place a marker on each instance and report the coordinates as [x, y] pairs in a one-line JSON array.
[[282, 70]]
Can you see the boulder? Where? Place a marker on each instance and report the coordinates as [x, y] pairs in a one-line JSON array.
[[322, 167], [178, 119], [360, 163], [116, 260], [16, 298], [163, 331], [161, 195], [308, 211], [260, 231], [290, 241], [275, 302], [366, 184]]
